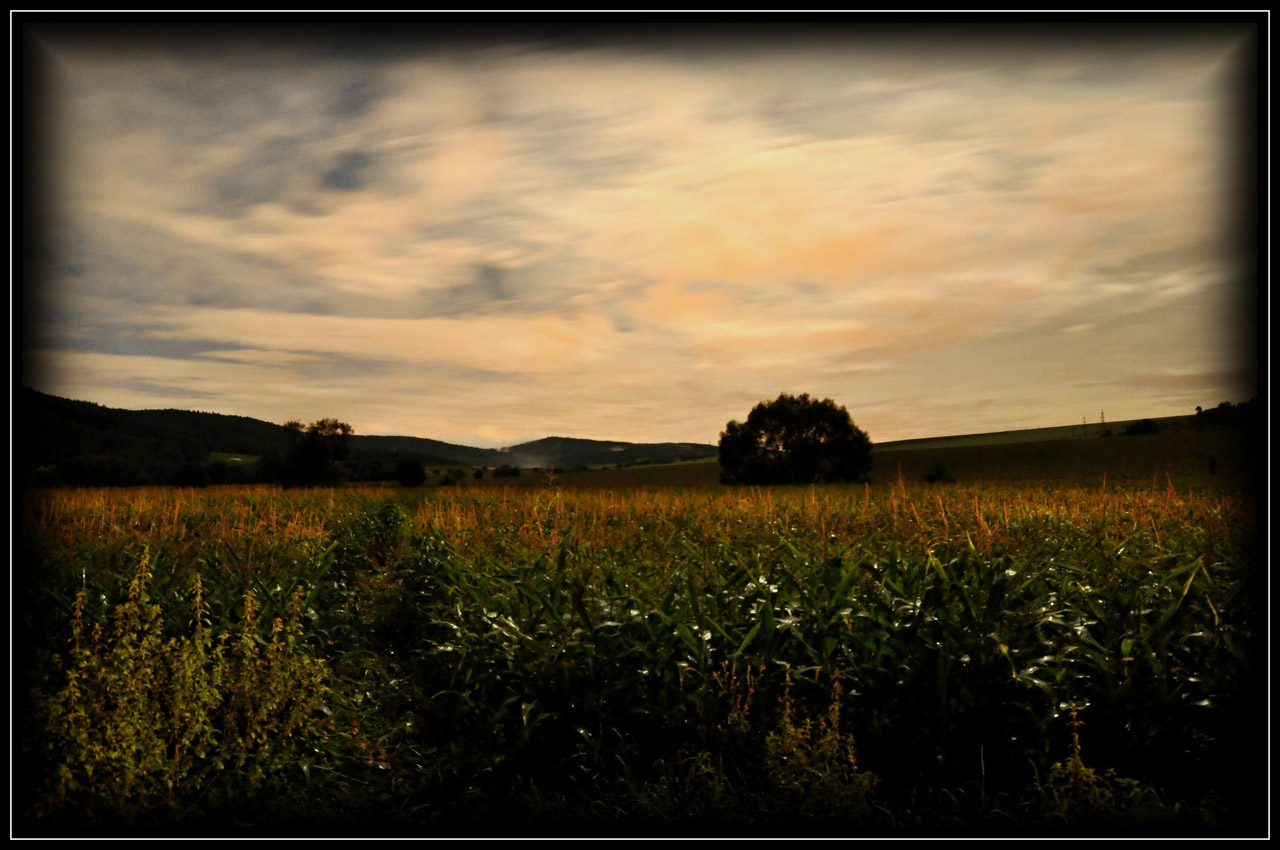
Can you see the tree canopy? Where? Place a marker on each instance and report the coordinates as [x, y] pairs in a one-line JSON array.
[[315, 451], [794, 440]]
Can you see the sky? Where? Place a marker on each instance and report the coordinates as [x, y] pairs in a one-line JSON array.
[[490, 236]]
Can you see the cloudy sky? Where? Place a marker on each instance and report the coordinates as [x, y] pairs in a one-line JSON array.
[[635, 234]]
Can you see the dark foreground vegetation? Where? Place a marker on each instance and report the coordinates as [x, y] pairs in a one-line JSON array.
[[898, 658]]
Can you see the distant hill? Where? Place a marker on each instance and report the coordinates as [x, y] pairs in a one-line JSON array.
[[547, 453], [429, 452], [1225, 416], [569, 452], [79, 442]]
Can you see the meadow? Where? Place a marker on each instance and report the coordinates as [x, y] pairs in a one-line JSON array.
[[1043, 657]]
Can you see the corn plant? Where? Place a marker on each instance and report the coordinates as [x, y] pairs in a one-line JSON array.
[[546, 655]]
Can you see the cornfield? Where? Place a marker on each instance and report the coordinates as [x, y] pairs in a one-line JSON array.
[[896, 658]]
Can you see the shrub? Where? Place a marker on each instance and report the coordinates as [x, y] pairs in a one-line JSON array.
[[153, 728], [813, 766], [1142, 426]]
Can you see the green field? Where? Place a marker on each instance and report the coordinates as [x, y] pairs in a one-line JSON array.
[[1039, 435], [1182, 454], [1069, 638], [1138, 458]]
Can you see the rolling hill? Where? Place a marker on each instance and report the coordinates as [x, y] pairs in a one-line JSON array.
[[79, 442]]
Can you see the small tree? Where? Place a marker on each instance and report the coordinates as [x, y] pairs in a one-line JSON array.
[[794, 440]]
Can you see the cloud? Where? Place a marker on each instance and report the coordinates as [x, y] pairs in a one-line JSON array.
[[644, 232], [1196, 387], [349, 172]]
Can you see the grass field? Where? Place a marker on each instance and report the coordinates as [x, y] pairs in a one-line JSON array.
[[1182, 454], [1040, 435], [1230, 454], [1026, 650]]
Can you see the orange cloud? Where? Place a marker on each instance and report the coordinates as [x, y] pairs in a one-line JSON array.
[[541, 344], [671, 302]]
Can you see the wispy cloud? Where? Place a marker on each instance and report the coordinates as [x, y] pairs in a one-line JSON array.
[[489, 240]]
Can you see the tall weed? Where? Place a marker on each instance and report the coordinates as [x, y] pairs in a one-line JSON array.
[[151, 726]]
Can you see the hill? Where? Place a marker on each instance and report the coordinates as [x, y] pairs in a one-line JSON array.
[[82, 443], [365, 448], [1221, 444], [568, 452], [1224, 416], [1230, 455]]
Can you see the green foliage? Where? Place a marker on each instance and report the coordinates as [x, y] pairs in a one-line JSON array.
[[1077, 789], [1078, 796], [152, 727], [794, 440], [766, 763], [370, 538], [812, 765], [531, 659]]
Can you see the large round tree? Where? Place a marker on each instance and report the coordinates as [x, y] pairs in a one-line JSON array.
[[794, 440]]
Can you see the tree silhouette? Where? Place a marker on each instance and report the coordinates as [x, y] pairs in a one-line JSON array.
[[314, 452], [794, 440]]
